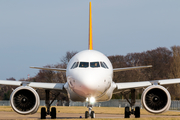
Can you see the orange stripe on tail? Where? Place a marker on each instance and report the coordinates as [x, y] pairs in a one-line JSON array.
[[90, 28]]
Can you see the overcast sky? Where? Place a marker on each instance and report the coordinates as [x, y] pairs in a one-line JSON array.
[[40, 32]]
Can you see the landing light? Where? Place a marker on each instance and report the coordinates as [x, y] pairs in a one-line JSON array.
[[92, 100]]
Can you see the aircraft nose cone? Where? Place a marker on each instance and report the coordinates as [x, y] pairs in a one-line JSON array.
[[88, 85]]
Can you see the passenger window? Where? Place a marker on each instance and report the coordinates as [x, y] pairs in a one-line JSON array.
[[84, 64], [94, 64], [102, 65]]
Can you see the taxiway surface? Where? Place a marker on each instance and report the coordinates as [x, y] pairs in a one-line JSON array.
[[14, 115]]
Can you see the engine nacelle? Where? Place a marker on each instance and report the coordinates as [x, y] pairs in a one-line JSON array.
[[25, 100], [156, 99]]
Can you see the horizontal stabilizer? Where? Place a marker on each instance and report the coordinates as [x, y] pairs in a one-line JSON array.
[[52, 69], [130, 68]]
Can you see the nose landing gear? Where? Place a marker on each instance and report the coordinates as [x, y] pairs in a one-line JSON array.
[[89, 113]]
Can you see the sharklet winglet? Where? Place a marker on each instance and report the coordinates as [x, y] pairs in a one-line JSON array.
[[90, 28]]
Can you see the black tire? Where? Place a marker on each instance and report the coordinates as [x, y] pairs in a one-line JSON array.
[[53, 113], [43, 113], [126, 113], [137, 112], [92, 114], [86, 114]]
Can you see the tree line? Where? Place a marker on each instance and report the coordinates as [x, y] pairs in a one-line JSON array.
[[165, 62]]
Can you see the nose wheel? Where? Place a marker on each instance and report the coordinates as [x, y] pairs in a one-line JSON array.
[[89, 113], [92, 114], [86, 114]]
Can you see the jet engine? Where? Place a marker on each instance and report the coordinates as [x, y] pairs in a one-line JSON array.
[[156, 99], [25, 100]]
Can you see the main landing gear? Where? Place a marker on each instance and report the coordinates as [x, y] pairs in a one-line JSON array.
[[44, 113], [89, 113], [128, 112], [136, 112]]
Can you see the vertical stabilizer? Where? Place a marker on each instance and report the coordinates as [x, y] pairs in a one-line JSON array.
[[90, 28]]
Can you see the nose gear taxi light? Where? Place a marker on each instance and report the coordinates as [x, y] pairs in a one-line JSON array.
[[92, 100]]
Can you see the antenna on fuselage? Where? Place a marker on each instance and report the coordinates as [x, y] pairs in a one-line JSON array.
[[90, 28]]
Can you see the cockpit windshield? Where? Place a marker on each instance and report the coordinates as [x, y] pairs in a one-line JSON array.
[[84, 64], [75, 65], [94, 64], [103, 64]]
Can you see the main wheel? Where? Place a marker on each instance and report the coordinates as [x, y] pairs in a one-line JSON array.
[[137, 112], [43, 113], [126, 113], [86, 114], [92, 114], [53, 113]]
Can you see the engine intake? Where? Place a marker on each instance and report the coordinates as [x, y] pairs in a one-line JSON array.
[[156, 99], [25, 100]]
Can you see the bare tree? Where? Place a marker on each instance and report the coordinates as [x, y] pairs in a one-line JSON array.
[[175, 72], [65, 59], [175, 65]]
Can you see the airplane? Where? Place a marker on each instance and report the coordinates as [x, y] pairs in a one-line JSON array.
[[90, 78]]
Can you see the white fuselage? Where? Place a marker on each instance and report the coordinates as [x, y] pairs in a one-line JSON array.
[[89, 74]]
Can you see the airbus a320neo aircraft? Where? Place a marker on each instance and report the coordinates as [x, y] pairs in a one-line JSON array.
[[90, 78]]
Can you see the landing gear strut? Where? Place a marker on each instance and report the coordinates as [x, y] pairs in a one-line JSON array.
[[44, 113], [89, 112], [128, 112]]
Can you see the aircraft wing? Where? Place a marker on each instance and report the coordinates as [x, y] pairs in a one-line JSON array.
[[136, 85], [52, 69], [39, 85], [130, 68]]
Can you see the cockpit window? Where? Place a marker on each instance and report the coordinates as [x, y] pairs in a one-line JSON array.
[[103, 64], [84, 64], [94, 64], [75, 65]]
